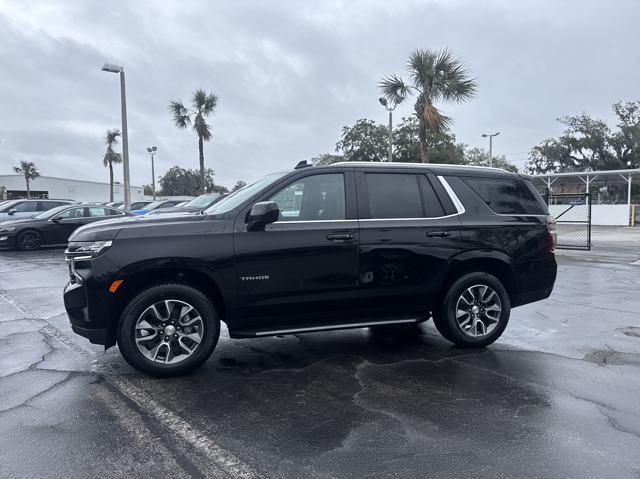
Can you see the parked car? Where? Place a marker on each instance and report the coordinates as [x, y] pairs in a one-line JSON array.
[[138, 205], [196, 205], [365, 244], [28, 208], [155, 205], [52, 227]]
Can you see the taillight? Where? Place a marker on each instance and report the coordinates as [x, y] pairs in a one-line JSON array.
[[552, 238]]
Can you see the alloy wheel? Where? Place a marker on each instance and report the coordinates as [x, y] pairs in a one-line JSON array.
[[478, 310], [169, 331], [30, 241]]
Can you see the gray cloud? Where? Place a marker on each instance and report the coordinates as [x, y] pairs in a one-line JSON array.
[[291, 74]]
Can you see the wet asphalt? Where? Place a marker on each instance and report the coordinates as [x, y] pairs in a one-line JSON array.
[[557, 396]]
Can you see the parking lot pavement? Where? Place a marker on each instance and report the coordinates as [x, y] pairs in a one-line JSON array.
[[557, 396]]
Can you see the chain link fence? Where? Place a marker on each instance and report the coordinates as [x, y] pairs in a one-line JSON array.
[[572, 212]]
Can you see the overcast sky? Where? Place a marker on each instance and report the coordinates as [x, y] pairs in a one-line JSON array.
[[290, 74]]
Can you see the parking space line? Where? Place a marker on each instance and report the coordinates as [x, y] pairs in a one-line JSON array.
[[223, 459]]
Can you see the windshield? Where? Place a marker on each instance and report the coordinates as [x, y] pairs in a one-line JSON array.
[[154, 205], [238, 197], [51, 213], [6, 206], [202, 200]]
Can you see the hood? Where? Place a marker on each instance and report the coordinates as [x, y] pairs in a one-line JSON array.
[[177, 209], [20, 222], [108, 229]]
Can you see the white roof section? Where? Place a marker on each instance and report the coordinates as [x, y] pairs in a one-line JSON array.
[[578, 174]]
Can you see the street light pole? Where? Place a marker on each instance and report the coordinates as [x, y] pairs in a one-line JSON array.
[[152, 151], [383, 101], [490, 136], [111, 68], [390, 135]]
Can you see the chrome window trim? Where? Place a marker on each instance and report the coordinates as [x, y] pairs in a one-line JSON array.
[[454, 198], [456, 201], [412, 219]]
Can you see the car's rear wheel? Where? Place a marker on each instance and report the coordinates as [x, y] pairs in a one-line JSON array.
[[475, 310], [168, 330], [29, 240]]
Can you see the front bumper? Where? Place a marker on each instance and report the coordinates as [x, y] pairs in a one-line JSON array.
[[77, 306], [7, 241], [87, 309]]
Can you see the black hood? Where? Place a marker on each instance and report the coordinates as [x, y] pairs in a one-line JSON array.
[[21, 222], [177, 209], [109, 229]]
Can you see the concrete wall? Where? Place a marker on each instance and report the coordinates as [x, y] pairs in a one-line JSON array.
[[601, 215], [71, 189]]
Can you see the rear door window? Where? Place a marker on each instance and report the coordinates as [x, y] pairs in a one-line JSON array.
[[47, 205], [393, 195], [25, 206], [96, 211], [507, 196], [73, 213]]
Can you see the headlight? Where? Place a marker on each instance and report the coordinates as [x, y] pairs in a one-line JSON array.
[[88, 248], [7, 229]]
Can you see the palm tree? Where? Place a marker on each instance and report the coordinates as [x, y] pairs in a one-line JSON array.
[[434, 76], [111, 156], [30, 172], [203, 104]]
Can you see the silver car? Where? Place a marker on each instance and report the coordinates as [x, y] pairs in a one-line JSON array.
[[28, 208]]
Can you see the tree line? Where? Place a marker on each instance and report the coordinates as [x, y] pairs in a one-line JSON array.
[[589, 144], [367, 140]]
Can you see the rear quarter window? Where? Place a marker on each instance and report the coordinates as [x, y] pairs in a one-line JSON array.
[[508, 196]]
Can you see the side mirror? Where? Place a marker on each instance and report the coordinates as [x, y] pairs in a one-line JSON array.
[[12, 211], [56, 219], [262, 214]]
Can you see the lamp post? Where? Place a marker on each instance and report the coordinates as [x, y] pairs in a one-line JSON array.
[[111, 68], [390, 107], [490, 136], [152, 151]]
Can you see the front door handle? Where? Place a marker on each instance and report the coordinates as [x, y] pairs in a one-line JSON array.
[[437, 234], [340, 236]]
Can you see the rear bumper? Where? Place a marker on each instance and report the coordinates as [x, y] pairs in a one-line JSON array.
[[532, 296], [536, 280]]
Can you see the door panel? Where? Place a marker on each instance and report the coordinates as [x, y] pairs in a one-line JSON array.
[[402, 262], [304, 267], [70, 220], [406, 240], [292, 272]]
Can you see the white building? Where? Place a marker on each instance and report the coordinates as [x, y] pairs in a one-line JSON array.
[[606, 209], [66, 188]]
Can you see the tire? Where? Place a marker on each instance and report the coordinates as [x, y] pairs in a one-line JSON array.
[[29, 240], [156, 308], [471, 316]]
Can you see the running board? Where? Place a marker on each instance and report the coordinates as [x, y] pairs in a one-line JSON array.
[[312, 329]]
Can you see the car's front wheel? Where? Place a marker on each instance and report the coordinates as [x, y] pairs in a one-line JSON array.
[[29, 240], [168, 330], [475, 311]]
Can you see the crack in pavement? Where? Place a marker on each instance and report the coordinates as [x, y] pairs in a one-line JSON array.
[[26, 402], [224, 459]]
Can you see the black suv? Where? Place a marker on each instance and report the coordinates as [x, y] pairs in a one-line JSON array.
[[343, 246]]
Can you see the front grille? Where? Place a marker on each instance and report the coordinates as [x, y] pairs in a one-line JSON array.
[[73, 260]]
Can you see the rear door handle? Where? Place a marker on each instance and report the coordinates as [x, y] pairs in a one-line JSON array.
[[340, 236], [437, 234]]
